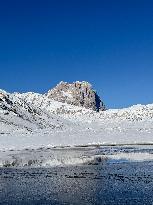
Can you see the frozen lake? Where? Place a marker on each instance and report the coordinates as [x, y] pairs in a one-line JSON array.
[[115, 175]]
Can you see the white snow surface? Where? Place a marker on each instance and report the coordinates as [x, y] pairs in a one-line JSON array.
[[32, 120]]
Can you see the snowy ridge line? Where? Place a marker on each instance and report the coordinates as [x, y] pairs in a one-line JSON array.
[[44, 104], [34, 120]]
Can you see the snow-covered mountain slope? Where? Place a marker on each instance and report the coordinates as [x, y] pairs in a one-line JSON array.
[[34, 120]]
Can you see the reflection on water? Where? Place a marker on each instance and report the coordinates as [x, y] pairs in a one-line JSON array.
[[101, 183]]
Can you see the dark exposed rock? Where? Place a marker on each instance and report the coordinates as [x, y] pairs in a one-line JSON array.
[[77, 93]]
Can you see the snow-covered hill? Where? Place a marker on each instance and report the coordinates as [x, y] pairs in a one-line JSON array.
[[35, 120]]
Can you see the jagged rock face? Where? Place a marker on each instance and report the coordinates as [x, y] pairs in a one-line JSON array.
[[77, 93]]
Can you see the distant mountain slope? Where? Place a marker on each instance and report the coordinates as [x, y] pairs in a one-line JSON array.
[[21, 114], [34, 120]]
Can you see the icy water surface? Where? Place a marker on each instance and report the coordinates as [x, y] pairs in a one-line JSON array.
[[115, 175]]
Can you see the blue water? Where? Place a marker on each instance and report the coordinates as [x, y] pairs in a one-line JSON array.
[[130, 183], [103, 183]]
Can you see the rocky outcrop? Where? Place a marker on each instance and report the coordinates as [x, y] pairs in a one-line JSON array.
[[77, 93]]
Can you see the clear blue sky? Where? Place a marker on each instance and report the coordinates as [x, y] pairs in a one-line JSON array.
[[106, 42]]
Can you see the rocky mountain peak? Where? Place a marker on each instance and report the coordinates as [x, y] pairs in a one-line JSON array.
[[77, 93]]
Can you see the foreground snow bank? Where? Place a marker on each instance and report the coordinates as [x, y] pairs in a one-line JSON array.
[[75, 138], [49, 157]]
